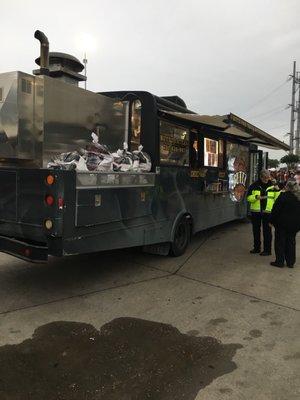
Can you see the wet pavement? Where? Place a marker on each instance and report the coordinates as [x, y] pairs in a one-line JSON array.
[[216, 323], [128, 358]]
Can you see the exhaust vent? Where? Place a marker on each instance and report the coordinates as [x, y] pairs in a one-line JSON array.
[[64, 67], [44, 53]]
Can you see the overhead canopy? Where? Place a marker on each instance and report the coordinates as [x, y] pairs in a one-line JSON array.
[[233, 125], [215, 121]]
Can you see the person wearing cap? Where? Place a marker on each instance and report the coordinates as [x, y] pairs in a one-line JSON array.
[[261, 197], [285, 217]]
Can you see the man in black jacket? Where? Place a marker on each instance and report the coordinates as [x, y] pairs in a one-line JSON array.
[[286, 219], [261, 197]]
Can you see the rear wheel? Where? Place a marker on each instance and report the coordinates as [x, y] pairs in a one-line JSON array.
[[182, 236]]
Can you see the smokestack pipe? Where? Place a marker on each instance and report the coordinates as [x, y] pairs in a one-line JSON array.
[[44, 56]]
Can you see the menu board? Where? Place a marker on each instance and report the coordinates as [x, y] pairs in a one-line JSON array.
[[221, 154], [174, 144], [210, 153]]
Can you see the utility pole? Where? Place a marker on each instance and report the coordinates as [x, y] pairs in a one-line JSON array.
[[293, 109], [85, 69], [297, 134]]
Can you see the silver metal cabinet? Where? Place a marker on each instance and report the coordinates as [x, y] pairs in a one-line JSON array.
[[41, 116]]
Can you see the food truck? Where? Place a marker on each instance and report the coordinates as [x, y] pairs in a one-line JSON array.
[[201, 166]]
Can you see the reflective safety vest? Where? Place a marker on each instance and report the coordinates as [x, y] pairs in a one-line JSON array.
[[255, 205], [272, 197]]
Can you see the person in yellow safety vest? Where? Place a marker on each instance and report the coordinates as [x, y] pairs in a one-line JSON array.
[[261, 197]]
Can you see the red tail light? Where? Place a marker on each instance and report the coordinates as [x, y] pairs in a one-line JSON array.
[[49, 200]]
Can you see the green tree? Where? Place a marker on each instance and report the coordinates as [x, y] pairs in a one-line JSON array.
[[290, 160], [273, 163]]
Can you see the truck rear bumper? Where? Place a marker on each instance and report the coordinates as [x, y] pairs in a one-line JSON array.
[[25, 250]]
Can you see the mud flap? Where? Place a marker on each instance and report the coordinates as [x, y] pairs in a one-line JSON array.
[[24, 250]]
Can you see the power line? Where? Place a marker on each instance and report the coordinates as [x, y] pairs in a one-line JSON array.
[[279, 126], [268, 95], [270, 112], [271, 115]]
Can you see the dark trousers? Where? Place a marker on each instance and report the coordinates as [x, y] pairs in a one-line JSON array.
[[263, 219], [285, 246]]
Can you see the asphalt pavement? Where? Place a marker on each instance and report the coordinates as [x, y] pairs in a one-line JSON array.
[[215, 323]]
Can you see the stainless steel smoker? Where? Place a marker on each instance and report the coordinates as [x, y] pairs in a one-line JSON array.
[[47, 113]]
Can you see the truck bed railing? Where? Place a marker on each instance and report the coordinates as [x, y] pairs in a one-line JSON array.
[[99, 180]]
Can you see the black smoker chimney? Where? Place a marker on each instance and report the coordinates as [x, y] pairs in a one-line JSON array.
[[44, 57]]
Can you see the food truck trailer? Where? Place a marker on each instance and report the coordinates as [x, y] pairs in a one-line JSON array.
[[201, 166]]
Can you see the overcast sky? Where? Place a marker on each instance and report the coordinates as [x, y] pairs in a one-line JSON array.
[[220, 56]]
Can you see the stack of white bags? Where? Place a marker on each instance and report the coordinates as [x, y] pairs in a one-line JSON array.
[[97, 157]]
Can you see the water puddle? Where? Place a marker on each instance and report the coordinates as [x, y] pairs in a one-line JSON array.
[[127, 359]]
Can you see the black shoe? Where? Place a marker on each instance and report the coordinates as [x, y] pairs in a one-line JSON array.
[[275, 264], [254, 251], [265, 253], [290, 266]]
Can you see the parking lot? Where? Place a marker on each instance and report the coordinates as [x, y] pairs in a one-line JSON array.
[[160, 317]]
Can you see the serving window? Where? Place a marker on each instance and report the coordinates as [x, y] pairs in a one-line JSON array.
[[174, 144], [136, 120], [195, 155], [211, 153]]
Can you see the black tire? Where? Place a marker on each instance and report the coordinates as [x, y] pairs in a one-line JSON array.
[[182, 237]]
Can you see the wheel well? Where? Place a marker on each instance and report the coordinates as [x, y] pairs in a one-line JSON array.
[[181, 215]]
